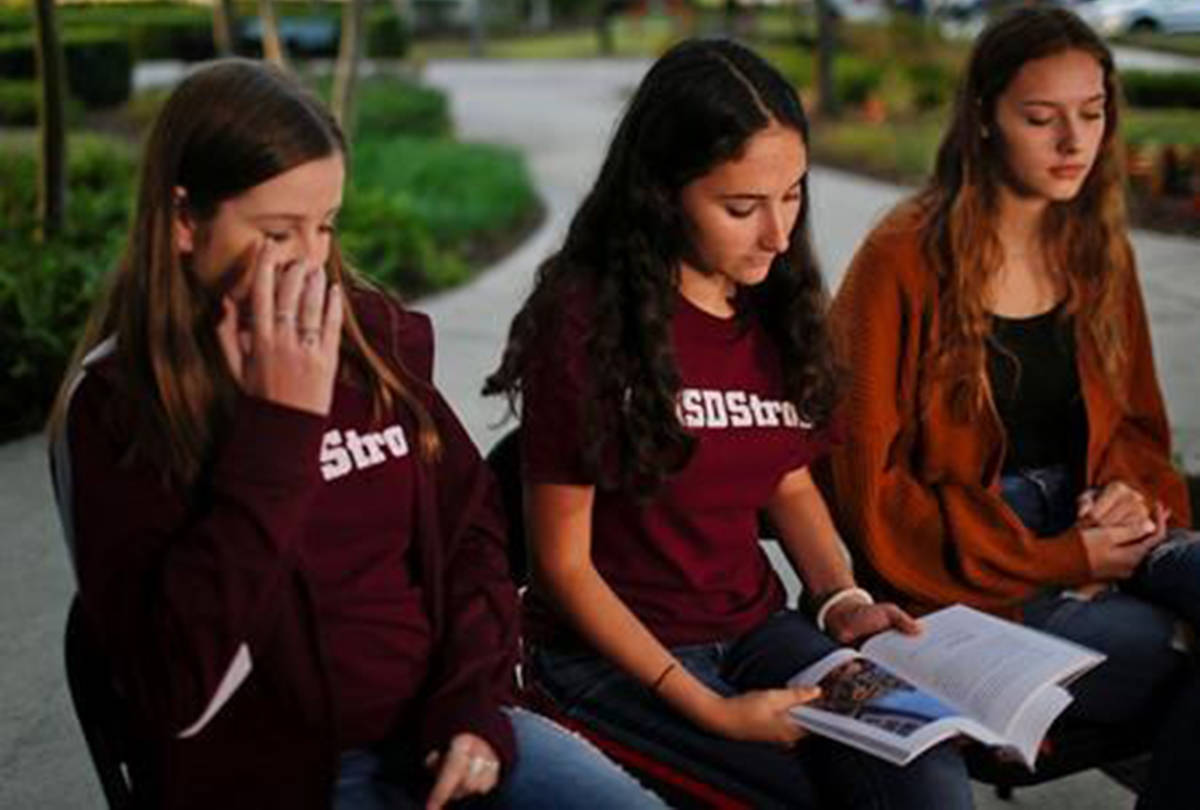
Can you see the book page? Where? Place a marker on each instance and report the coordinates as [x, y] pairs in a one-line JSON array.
[[864, 704], [984, 666]]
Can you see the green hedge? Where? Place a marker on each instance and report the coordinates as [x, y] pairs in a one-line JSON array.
[[1149, 89], [98, 61], [19, 104], [46, 290], [397, 107], [178, 31]]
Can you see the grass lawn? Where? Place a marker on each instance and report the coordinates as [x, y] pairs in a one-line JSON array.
[[904, 150], [645, 37], [1182, 44]]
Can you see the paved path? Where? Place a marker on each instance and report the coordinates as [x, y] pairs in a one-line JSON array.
[[561, 115]]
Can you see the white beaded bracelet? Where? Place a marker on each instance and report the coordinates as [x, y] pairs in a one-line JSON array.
[[841, 596]]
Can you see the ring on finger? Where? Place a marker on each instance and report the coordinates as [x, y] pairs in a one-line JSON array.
[[477, 765], [283, 318]]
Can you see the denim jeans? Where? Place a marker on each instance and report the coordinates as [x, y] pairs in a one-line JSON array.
[[1045, 500], [555, 770], [1145, 680], [819, 773]]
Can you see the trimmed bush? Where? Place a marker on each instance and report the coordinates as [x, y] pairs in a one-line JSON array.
[[19, 100], [932, 83], [383, 236], [458, 190], [99, 66], [390, 107], [18, 103], [387, 36], [98, 61], [1144, 88], [46, 290], [856, 79]]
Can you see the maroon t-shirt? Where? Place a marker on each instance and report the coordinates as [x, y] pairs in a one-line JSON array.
[[356, 553], [687, 562]]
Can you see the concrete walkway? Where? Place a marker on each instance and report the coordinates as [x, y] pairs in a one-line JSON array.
[[560, 114]]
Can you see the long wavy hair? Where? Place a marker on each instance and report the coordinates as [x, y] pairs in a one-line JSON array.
[[696, 108], [1085, 239], [228, 127]]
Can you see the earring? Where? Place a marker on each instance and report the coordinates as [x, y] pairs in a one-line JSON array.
[[984, 132]]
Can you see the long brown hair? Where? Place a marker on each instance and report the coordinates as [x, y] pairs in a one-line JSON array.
[[1085, 238], [226, 128]]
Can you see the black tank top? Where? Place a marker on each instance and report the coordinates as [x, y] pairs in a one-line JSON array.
[[1035, 385]]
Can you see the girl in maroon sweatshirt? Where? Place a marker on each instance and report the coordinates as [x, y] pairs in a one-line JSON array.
[[285, 543], [675, 379]]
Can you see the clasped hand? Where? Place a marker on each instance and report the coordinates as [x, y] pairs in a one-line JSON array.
[[1119, 529]]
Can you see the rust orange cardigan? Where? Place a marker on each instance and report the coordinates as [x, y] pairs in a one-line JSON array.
[[915, 490]]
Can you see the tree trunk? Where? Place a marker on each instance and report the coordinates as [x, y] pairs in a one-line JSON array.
[[52, 167], [604, 27], [827, 101], [540, 15], [273, 49], [224, 19], [478, 29], [346, 75]]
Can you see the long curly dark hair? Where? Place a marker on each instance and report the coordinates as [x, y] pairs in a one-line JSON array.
[[695, 109]]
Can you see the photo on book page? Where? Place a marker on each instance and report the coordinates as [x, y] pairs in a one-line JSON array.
[[860, 689]]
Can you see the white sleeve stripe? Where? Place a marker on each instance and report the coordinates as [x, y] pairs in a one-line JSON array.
[[239, 670]]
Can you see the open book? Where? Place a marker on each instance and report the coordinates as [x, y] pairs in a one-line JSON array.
[[967, 673]]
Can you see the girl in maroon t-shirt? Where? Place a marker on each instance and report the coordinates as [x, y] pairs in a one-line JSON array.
[[675, 379], [288, 549]]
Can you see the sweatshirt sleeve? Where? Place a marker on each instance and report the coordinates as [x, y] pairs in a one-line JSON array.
[[183, 589], [475, 663], [934, 538], [1139, 452]]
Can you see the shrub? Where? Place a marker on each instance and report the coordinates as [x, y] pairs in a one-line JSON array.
[[390, 107], [189, 38], [99, 66], [383, 236], [46, 290], [19, 100], [1151, 89], [856, 79], [932, 83], [98, 61], [387, 35], [458, 190]]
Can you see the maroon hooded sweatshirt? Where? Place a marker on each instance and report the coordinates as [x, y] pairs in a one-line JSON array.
[[320, 587]]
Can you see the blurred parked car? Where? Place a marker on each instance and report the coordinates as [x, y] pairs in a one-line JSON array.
[[1113, 17]]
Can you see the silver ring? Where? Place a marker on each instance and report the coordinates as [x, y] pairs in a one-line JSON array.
[[283, 318]]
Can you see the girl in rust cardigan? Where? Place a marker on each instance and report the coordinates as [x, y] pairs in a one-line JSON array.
[[1006, 444]]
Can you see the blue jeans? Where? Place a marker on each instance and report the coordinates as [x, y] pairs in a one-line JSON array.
[[555, 770], [1145, 682], [1045, 500], [820, 773]]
